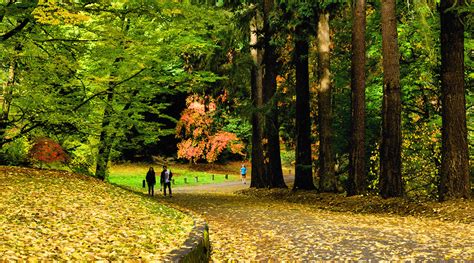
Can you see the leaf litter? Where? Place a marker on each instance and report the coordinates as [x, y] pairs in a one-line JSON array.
[[56, 215], [276, 225]]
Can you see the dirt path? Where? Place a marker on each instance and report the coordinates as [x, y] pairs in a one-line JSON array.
[[247, 228]]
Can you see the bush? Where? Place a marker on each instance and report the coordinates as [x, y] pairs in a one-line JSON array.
[[45, 150], [15, 153], [421, 158]]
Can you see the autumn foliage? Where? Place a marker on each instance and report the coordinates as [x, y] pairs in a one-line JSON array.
[[48, 151], [201, 139]]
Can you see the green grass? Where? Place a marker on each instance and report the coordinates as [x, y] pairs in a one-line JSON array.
[[132, 175]]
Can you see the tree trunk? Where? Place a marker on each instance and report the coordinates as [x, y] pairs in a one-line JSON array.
[[390, 155], [7, 97], [357, 173], [106, 138], [258, 171], [303, 168], [454, 154], [327, 175], [273, 170]]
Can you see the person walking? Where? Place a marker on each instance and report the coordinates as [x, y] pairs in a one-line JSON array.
[[165, 179], [151, 181], [243, 173]]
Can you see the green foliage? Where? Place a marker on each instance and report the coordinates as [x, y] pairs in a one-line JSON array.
[[15, 153], [287, 158], [72, 57], [421, 158]]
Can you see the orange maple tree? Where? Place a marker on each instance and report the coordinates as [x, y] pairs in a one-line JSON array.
[[201, 139]]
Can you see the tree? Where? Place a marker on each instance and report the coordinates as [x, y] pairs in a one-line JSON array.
[[327, 176], [390, 150], [273, 169], [303, 165], [259, 180], [357, 171], [202, 137], [454, 157]]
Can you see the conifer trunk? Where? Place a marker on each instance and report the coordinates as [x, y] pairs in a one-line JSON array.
[[357, 173], [256, 51], [273, 169], [303, 166], [454, 154], [390, 156], [327, 175]]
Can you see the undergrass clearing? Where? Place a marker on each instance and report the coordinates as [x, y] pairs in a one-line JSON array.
[[132, 175], [49, 215]]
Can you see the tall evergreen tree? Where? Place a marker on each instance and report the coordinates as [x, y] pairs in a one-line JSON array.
[[357, 172], [454, 154], [303, 165], [258, 178], [390, 152], [273, 169], [327, 175]]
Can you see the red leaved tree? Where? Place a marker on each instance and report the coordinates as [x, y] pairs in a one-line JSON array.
[[46, 150], [201, 140]]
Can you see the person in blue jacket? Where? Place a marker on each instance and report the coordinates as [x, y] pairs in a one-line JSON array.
[[243, 173]]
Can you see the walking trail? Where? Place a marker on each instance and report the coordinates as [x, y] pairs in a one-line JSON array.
[[247, 228]]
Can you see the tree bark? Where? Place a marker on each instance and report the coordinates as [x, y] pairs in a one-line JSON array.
[[357, 173], [454, 154], [390, 156], [303, 167], [106, 138], [273, 169], [256, 51], [327, 174], [7, 96]]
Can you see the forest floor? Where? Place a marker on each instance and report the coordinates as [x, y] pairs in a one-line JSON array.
[[274, 225], [51, 215]]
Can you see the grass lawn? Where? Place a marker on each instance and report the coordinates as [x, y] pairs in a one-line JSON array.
[[50, 215], [132, 175]]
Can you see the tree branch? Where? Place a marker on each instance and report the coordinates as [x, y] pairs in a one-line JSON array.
[[129, 78], [15, 30], [66, 40]]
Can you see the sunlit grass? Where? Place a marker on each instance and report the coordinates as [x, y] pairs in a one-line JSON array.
[[132, 175]]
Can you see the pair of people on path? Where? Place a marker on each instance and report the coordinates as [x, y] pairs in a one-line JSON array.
[[165, 180]]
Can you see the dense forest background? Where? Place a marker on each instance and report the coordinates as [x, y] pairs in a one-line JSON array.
[[112, 81]]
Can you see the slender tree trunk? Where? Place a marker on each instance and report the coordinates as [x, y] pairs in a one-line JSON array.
[[273, 170], [303, 169], [390, 156], [106, 138], [7, 97], [454, 154], [357, 173], [327, 175], [258, 171]]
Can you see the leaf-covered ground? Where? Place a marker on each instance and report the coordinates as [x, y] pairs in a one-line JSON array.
[[51, 215], [278, 225]]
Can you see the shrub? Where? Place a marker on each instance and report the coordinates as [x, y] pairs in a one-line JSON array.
[[45, 150], [15, 152]]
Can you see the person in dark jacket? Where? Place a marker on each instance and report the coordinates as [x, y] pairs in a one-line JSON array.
[[151, 181], [165, 179]]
